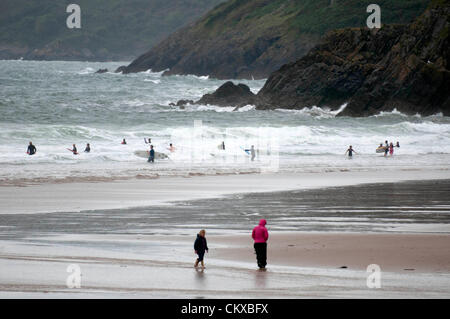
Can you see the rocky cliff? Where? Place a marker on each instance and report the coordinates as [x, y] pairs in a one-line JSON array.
[[398, 66], [252, 38]]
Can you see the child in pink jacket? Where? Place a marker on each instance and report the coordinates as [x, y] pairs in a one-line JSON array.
[[260, 236]]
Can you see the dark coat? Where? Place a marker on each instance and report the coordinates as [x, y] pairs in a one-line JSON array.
[[200, 244]]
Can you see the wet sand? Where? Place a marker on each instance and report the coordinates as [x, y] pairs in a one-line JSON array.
[[71, 197], [129, 266], [147, 252], [392, 252]]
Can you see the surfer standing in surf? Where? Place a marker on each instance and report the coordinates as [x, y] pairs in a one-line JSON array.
[[151, 158], [74, 150], [31, 149], [350, 152]]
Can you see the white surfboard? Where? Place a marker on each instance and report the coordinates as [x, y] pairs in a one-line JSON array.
[[145, 154]]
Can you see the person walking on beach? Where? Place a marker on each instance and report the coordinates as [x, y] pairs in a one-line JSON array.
[[31, 149], [253, 152], [260, 236], [200, 247], [350, 151], [151, 158]]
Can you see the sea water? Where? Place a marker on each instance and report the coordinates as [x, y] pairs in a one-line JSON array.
[[57, 104]]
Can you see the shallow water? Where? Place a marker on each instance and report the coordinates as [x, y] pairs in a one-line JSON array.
[[422, 206], [57, 104]]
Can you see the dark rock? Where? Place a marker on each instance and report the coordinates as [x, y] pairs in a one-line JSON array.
[[252, 38], [229, 94], [120, 69], [398, 66], [99, 71], [184, 102]]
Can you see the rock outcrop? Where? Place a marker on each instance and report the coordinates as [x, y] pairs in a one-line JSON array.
[[100, 71], [228, 94], [398, 66], [252, 38]]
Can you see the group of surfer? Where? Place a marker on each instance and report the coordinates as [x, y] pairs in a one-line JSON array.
[[387, 148]]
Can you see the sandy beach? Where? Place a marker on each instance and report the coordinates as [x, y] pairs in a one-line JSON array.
[[392, 252], [300, 266], [133, 239], [69, 197]]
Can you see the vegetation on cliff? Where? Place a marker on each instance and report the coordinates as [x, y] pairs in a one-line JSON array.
[[110, 29], [252, 38], [405, 67]]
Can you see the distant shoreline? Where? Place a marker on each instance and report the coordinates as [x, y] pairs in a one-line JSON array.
[[70, 197]]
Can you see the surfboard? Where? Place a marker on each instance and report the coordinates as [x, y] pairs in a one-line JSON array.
[[145, 154], [381, 149]]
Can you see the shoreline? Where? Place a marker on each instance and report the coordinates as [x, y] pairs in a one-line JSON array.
[[76, 197], [162, 267]]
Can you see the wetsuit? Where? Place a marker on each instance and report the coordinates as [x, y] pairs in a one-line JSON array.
[[31, 149], [152, 156], [87, 149], [350, 152]]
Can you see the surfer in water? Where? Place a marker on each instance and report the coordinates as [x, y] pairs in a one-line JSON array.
[[74, 149], [386, 148], [253, 152], [151, 158], [31, 149], [149, 140], [350, 151], [391, 149], [123, 142], [222, 146], [88, 148], [171, 148]]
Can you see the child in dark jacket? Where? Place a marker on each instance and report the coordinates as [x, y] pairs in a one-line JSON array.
[[200, 246]]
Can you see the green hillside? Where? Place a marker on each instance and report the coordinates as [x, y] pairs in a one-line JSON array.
[[245, 38], [111, 29]]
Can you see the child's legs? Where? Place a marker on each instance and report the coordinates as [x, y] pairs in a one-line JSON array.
[[200, 254]]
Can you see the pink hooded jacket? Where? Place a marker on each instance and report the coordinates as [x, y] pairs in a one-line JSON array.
[[260, 233]]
